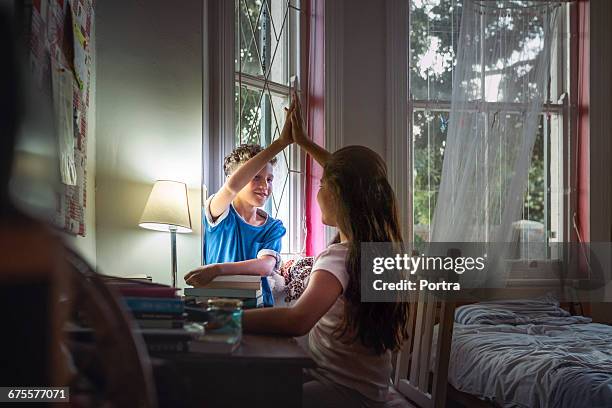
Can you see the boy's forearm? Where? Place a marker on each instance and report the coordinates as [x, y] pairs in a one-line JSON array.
[[248, 170], [263, 266], [318, 153]]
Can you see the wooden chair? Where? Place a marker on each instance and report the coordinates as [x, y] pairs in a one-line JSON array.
[[31, 278], [42, 284], [421, 367], [116, 353]]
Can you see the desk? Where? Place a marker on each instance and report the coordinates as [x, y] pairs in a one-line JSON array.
[[264, 371]]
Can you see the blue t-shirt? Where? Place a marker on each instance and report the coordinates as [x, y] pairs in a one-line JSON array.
[[231, 239]]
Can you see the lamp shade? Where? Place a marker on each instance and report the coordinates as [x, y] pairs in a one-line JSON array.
[[167, 208]]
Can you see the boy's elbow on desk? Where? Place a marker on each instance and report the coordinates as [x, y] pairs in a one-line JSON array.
[[267, 265]]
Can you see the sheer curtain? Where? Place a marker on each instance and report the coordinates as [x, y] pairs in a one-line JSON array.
[[499, 86]]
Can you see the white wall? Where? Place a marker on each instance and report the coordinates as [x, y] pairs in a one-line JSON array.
[[364, 71], [149, 126]]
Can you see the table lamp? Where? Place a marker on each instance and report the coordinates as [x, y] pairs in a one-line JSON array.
[[167, 209]]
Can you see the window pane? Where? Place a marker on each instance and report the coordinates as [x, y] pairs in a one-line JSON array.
[[429, 130], [434, 32], [259, 116], [248, 37], [247, 115], [511, 46], [533, 228], [534, 207], [434, 36], [262, 39]]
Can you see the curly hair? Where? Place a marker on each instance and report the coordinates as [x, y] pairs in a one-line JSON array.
[[240, 155]]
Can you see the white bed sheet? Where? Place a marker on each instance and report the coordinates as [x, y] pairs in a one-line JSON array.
[[534, 365]]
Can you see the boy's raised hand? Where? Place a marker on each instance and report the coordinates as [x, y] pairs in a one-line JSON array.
[[286, 135]]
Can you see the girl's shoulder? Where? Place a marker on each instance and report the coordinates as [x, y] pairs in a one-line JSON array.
[[333, 260], [334, 250]]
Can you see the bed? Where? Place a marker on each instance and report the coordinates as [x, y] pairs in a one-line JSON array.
[[531, 353]]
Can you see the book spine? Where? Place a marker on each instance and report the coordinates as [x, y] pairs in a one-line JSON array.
[[167, 293], [160, 324], [167, 347], [247, 303], [228, 293], [158, 305], [157, 316], [251, 304], [233, 286]]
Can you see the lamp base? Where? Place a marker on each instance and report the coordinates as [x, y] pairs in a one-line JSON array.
[[173, 255]]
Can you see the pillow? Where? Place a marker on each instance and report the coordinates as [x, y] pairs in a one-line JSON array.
[[296, 273], [544, 310]]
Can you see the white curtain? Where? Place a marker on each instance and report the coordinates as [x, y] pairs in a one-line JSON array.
[[499, 86]]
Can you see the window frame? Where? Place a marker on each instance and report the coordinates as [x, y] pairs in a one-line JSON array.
[[218, 109], [563, 108]]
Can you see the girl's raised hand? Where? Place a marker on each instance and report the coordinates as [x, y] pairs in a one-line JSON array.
[[297, 123]]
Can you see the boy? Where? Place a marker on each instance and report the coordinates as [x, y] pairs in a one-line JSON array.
[[241, 238]]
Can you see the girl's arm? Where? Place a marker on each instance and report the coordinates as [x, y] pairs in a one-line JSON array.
[[301, 138], [322, 291], [241, 177]]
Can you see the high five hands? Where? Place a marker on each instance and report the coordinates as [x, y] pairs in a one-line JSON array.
[[293, 129]]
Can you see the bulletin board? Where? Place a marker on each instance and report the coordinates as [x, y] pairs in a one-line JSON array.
[[61, 59]]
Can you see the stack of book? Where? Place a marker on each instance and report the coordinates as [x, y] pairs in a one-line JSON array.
[[247, 288], [153, 306]]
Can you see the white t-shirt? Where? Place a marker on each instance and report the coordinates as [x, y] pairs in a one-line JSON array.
[[351, 365]]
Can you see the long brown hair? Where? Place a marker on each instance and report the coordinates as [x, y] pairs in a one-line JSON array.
[[366, 211]]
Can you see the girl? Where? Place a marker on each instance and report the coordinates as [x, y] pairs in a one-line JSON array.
[[350, 341]]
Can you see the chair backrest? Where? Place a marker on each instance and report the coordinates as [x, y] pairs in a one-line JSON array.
[[120, 350], [41, 283], [421, 367], [31, 276]]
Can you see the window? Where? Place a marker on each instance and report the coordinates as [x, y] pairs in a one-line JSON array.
[[434, 34], [266, 60]]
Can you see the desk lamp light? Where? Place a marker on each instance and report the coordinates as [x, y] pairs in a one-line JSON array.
[[167, 210]]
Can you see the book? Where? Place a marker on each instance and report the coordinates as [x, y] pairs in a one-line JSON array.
[[188, 332], [233, 285], [238, 278], [156, 305], [247, 303], [160, 324], [110, 279], [214, 344], [145, 291], [252, 282], [177, 346], [228, 293], [140, 276], [252, 303], [157, 316]]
